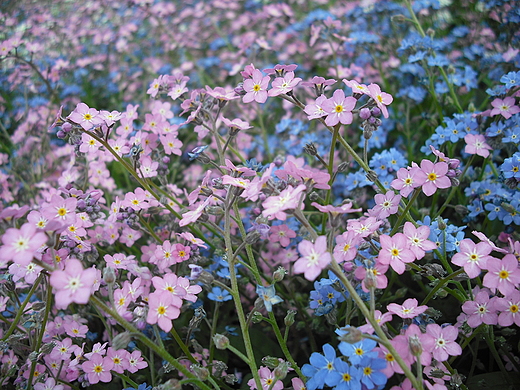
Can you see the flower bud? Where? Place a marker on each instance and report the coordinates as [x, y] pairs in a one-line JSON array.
[[350, 334], [289, 317], [121, 340], [257, 317], [201, 372], [270, 361], [310, 149], [239, 89], [279, 274], [47, 347], [252, 237], [109, 275], [365, 113], [38, 306], [343, 166], [221, 341], [415, 345], [280, 372], [371, 176]]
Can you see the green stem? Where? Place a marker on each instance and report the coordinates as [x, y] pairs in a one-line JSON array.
[[21, 309], [236, 294], [283, 345], [334, 266], [146, 341]]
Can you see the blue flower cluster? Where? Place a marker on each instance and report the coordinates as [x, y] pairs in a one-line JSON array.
[[358, 367]]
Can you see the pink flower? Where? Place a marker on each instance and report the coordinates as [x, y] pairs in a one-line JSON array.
[[267, 379], [395, 251], [376, 271], [181, 253], [356, 87], [284, 84], [503, 275], [85, 116], [473, 257], [346, 246], [49, 384], [418, 239], [339, 108], [315, 258], [481, 310], [193, 215], [98, 369], [274, 206], [74, 284], [119, 358], [506, 107], [476, 144], [236, 123], [442, 341], [62, 210], [163, 308], [282, 234], [315, 110], [408, 179], [171, 144], [386, 205], [382, 99], [435, 176], [380, 319], [136, 362], [363, 226], [509, 308], [256, 87], [21, 244], [409, 308]]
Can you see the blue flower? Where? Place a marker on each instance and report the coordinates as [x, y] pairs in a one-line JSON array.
[[268, 295], [142, 386], [322, 369], [196, 152], [371, 375], [511, 79], [357, 351], [349, 377], [218, 294]]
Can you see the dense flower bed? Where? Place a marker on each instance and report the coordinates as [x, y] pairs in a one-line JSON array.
[[227, 194]]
